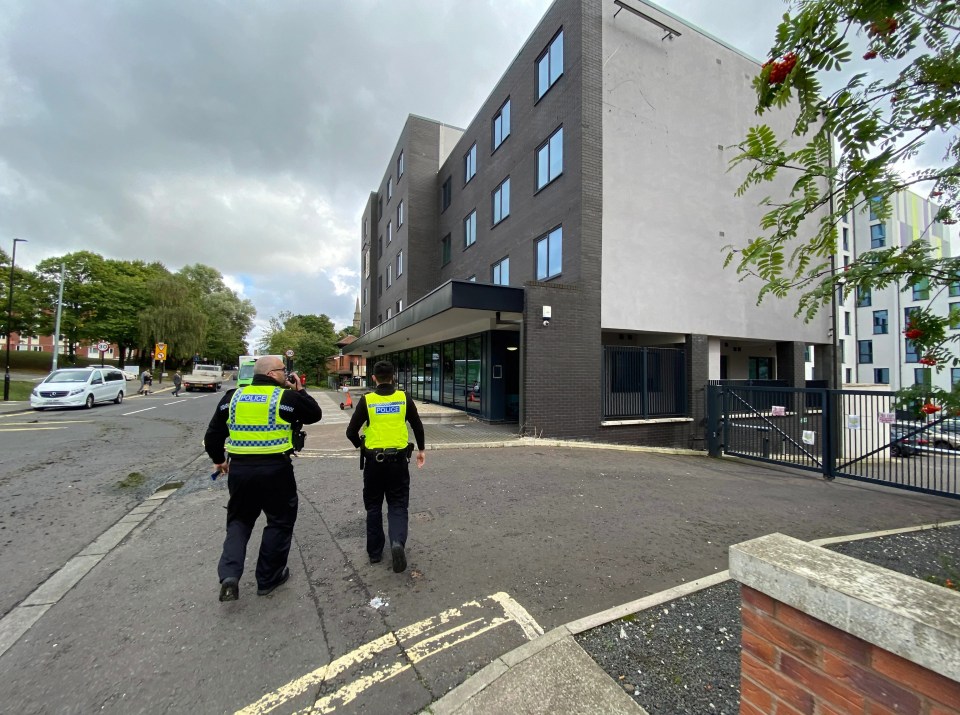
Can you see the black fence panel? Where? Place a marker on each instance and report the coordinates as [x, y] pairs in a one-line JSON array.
[[856, 434], [643, 383]]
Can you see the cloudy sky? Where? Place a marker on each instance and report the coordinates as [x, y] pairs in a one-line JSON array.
[[246, 134]]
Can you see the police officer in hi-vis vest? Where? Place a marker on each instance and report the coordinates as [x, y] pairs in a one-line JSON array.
[[384, 454], [258, 426]]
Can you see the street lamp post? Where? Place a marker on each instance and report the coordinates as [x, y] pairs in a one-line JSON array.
[[6, 370]]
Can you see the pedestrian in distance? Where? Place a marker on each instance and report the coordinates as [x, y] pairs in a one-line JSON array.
[[177, 383], [146, 382], [251, 438], [384, 458]]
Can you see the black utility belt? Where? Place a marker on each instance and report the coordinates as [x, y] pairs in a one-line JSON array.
[[264, 457], [390, 454]]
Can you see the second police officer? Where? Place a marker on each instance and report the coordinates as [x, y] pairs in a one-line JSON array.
[[384, 457]]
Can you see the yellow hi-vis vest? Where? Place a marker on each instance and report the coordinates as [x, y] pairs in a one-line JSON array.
[[254, 422], [387, 418]]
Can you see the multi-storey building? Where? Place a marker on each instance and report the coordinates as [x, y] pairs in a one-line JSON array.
[[870, 324], [559, 261]]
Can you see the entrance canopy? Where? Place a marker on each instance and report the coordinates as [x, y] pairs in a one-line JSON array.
[[453, 309]]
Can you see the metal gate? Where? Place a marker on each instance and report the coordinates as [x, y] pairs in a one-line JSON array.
[[856, 434]]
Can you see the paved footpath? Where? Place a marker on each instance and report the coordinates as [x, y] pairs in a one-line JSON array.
[[512, 550]]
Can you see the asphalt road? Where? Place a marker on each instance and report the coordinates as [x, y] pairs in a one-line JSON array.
[[504, 543]]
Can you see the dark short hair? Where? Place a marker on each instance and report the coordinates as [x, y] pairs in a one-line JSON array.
[[383, 370]]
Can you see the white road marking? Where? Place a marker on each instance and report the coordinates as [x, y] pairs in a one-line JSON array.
[[437, 640], [139, 411], [28, 429]]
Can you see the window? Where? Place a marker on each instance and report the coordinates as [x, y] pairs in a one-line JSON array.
[[864, 351], [389, 275], [400, 214], [389, 232], [846, 239], [954, 376], [379, 204], [881, 375], [921, 289], [846, 323], [879, 322], [550, 159], [470, 164], [446, 194], [472, 279], [366, 263], [907, 312], [389, 189], [550, 65], [501, 125], [389, 313], [380, 247], [364, 296], [954, 316], [399, 305], [445, 250], [922, 376], [400, 166], [875, 203], [380, 285], [955, 289], [501, 201], [500, 272], [878, 235], [550, 254], [864, 297], [910, 352], [849, 375], [399, 264], [470, 229]]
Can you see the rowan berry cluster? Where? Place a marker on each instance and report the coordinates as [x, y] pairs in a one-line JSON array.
[[930, 408], [779, 69]]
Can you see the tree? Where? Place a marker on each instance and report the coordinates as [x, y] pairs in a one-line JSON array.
[[173, 317], [82, 288], [230, 317], [311, 337], [857, 141], [24, 318]]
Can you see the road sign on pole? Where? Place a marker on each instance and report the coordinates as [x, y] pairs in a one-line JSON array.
[[160, 351], [103, 346]]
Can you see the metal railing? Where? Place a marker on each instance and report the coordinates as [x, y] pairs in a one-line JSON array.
[[643, 383]]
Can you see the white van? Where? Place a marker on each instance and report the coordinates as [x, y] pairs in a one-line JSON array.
[[79, 387]]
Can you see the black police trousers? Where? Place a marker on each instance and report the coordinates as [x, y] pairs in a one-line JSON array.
[[259, 484], [390, 480]]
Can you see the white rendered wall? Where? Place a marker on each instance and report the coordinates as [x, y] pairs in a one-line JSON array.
[[668, 105]]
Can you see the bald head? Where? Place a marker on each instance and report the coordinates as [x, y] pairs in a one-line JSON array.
[[267, 364]]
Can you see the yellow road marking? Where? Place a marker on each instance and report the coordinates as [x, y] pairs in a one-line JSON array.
[[435, 642]]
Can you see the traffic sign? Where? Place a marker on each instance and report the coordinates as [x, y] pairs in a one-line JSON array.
[[161, 355], [289, 353], [103, 346]]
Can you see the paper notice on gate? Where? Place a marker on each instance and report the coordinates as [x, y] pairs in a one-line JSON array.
[[853, 421], [778, 411], [809, 436], [886, 417]]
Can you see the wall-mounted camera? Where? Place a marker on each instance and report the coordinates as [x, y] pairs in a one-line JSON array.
[[547, 314]]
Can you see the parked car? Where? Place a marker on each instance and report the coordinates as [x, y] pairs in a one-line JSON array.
[[79, 387], [128, 375], [946, 434], [903, 443]]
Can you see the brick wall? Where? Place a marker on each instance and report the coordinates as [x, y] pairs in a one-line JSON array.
[[880, 642]]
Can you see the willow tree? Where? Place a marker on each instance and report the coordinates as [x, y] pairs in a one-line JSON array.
[[173, 316], [856, 144]]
